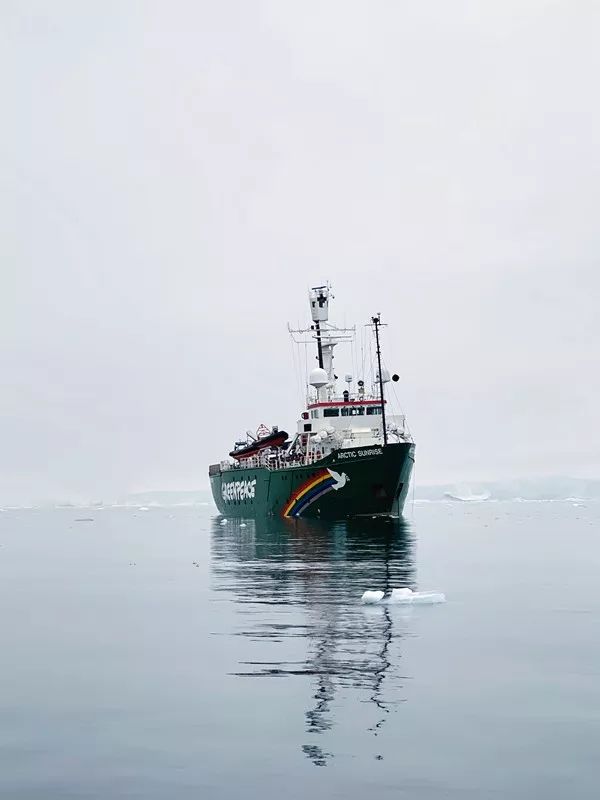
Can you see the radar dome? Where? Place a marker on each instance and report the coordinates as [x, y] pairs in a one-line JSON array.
[[318, 378]]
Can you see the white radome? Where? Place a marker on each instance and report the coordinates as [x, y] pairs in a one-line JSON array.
[[318, 378]]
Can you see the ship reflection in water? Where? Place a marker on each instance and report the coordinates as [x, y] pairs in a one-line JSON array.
[[308, 577]]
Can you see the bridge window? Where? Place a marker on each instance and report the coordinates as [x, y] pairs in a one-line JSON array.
[[353, 411], [332, 412], [373, 410]]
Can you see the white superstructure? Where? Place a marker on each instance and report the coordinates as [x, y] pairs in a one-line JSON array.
[[332, 420], [354, 417]]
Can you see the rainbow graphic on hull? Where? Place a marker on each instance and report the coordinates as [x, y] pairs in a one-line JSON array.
[[316, 486]]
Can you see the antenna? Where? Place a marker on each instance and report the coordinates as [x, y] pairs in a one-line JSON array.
[[377, 322], [319, 309], [327, 336]]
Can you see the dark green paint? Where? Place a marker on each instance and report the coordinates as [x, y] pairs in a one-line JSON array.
[[378, 485]]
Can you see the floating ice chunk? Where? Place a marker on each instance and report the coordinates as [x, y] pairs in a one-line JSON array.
[[398, 595], [408, 596], [223, 522], [372, 597], [403, 596], [429, 597], [242, 524], [143, 508]]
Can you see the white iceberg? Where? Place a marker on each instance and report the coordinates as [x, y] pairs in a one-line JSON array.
[[408, 596], [372, 597], [403, 596]]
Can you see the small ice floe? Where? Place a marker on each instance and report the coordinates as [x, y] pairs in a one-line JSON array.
[[372, 597], [408, 596], [404, 596], [223, 521], [242, 524], [143, 508]]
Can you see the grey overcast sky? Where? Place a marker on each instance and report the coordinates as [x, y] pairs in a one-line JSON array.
[[175, 174]]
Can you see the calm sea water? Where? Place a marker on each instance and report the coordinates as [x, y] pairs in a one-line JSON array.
[[161, 654]]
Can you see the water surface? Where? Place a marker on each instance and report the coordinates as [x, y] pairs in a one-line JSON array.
[[163, 654]]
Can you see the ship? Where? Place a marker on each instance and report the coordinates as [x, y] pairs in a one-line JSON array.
[[350, 456]]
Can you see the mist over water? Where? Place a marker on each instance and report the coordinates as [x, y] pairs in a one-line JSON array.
[[161, 653], [175, 176]]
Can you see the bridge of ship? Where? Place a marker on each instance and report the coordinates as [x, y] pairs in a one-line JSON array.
[[353, 416]]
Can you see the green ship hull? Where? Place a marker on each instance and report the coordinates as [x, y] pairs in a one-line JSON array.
[[362, 481]]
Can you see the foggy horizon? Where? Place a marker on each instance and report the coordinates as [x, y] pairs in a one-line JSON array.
[[175, 178]]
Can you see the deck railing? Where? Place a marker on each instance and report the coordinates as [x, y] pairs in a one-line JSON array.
[[273, 462]]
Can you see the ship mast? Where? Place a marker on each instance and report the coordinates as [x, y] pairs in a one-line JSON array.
[[377, 322], [318, 306], [327, 337]]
